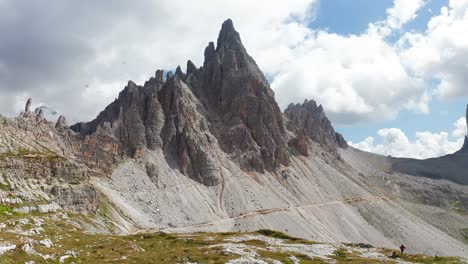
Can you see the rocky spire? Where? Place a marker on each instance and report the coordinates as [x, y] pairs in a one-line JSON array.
[[27, 107], [61, 123], [191, 68], [169, 75], [210, 52], [40, 115], [228, 37], [179, 73]]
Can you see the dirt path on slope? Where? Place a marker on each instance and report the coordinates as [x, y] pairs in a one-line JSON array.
[[273, 210]]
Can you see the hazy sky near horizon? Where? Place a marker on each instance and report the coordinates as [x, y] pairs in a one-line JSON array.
[[392, 75]]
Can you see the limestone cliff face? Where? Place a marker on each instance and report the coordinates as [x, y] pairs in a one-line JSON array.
[[188, 144], [226, 107], [134, 119], [246, 118], [309, 121], [33, 150]]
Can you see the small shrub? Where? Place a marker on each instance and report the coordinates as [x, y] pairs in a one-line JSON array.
[[5, 210]]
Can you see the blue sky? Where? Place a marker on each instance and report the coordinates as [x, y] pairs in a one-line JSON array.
[[352, 17]]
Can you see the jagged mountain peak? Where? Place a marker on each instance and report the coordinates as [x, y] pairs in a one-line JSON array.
[[309, 120], [231, 98], [228, 37], [191, 68]]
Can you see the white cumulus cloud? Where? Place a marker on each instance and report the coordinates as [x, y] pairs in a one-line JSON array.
[[441, 53], [357, 78], [425, 145]]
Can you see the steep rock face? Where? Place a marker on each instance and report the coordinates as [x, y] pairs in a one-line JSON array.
[[33, 151], [161, 114], [309, 120], [78, 198], [188, 143], [246, 118], [134, 119], [61, 124]]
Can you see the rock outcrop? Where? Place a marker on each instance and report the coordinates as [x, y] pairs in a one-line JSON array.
[[33, 151], [78, 198], [27, 107], [309, 121]]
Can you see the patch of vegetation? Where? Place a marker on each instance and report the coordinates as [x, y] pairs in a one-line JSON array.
[[254, 242], [154, 247], [7, 154], [429, 259], [340, 254], [359, 245], [104, 208], [280, 235], [343, 255], [424, 259], [5, 210], [286, 257], [51, 156], [458, 207], [464, 232]]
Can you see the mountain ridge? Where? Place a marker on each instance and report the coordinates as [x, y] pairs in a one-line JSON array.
[[236, 101]]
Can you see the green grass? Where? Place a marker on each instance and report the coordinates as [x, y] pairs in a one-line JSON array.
[[464, 232], [418, 258], [255, 243], [424, 259], [5, 210], [158, 247], [285, 257], [49, 155], [280, 235], [343, 255], [458, 207]]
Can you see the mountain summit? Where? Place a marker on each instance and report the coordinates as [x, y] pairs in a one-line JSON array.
[[225, 106]]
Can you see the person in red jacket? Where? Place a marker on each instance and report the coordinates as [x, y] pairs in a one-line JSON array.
[[402, 248]]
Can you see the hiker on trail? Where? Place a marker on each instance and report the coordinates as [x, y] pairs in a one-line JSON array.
[[402, 248]]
